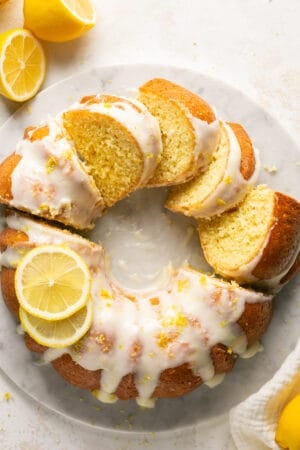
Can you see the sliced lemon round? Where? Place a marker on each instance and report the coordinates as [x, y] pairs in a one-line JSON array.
[[58, 333], [59, 20], [22, 65], [52, 282]]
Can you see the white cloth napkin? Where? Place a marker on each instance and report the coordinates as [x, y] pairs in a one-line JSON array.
[[254, 421]]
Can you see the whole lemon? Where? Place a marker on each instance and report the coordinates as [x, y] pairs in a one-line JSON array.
[[59, 20], [288, 429]]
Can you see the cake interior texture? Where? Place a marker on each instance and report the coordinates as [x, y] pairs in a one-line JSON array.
[[235, 237], [195, 192], [108, 150], [177, 138]]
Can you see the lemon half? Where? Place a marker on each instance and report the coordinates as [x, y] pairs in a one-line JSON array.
[[22, 65], [288, 430], [60, 333], [52, 282], [59, 20]]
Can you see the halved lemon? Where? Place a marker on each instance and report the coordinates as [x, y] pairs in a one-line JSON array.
[[52, 282], [22, 65], [59, 333], [59, 20], [287, 433]]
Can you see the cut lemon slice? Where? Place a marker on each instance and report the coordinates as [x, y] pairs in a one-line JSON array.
[[59, 20], [59, 333], [52, 282], [22, 65]]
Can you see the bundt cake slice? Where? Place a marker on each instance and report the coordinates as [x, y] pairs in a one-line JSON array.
[[257, 242], [143, 344], [232, 171], [46, 178], [189, 130], [118, 140]]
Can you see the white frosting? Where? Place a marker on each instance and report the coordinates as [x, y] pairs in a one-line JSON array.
[[215, 381], [41, 234], [136, 118], [50, 181], [146, 332], [206, 140], [233, 187], [257, 347]]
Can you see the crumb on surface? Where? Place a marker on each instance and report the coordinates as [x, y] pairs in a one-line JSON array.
[[7, 396], [270, 169]]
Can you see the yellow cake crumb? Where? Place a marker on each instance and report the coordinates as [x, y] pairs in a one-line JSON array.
[[68, 155], [270, 169], [105, 294], [202, 280], [228, 180], [7, 396], [179, 321], [221, 202], [183, 285], [51, 164]]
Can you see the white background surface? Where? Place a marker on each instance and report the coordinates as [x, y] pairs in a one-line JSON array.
[[253, 45]]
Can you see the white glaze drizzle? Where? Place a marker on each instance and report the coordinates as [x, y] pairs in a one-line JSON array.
[[134, 116], [233, 186], [39, 233], [50, 181], [215, 381], [146, 332], [206, 140]]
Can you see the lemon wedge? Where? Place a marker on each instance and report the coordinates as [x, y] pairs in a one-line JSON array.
[[59, 20], [288, 430], [59, 333], [22, 65], [52, 282]]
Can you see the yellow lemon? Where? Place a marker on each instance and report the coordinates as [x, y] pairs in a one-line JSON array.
[[52, 282], [22, 65], [288, 430], [59, 20], [58, 333]]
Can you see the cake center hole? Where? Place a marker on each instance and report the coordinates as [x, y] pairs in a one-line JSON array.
[[142, 238]]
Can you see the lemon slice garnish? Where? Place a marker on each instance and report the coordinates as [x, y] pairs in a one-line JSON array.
[[22, 65], [52, 282], [59, 333], [59, 20]]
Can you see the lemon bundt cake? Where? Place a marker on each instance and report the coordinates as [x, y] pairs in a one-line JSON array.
[[143, 344], [45, 177], [119, 141], [234, 167], [189, 130], [257, 242]]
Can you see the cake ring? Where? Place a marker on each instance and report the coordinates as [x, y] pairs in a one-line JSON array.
[[163, 342]]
